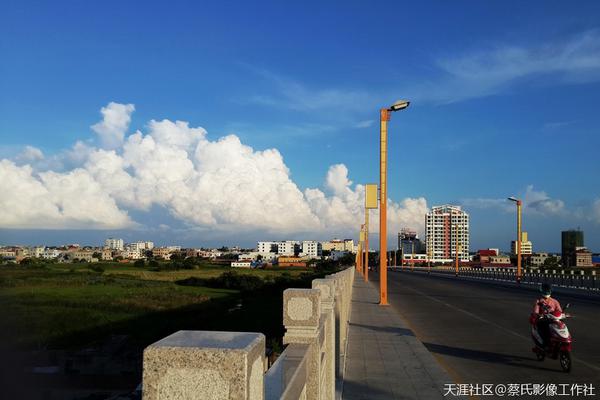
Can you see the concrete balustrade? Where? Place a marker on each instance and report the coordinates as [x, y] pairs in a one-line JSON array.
[[207, 365]]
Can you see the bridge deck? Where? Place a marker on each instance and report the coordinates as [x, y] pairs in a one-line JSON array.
[[384, 359]]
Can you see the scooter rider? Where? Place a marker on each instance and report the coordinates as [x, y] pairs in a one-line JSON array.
[[544, 305]]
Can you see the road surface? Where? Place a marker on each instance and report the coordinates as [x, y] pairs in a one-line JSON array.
[[480, 332]]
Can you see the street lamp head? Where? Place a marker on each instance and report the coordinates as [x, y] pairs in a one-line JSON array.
[[512, 198], [399, 105]]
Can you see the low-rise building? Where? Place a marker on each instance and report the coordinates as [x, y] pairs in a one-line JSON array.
[[241, 264], [335, 244], [500, 261], [5, 253], [538, 259], [161, 252], [416, 259], [106, 255], [50, 254], [82, 255], [349, 245], [114, 244], [132, 254], [311, 249], [285, 261], [583, 258]]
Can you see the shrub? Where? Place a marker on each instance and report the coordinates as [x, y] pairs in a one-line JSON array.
[[97, 268]]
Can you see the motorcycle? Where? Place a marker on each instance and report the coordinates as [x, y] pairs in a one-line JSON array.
[[559, 345]]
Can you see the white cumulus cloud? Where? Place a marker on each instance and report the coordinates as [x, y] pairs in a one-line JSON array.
[[55, 200], [111, 130], [30, 154], [218, 185]]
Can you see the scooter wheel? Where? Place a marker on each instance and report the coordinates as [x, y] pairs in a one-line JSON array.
[[565, 361], [540, 356]]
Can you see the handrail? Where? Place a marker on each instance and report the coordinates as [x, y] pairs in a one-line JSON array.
[[286, 379]]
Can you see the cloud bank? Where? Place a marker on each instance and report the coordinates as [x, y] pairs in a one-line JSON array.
[[216, 185]]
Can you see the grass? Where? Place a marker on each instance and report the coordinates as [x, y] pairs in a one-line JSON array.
[[49, 308], [69, 305]]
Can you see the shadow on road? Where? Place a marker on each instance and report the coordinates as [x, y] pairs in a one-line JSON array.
[[486, 356], [386, 329]]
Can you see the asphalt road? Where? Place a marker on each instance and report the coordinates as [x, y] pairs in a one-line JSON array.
[[480, 332]]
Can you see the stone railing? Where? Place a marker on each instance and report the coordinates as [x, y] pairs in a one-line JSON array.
[[206, 365], [529, 276]]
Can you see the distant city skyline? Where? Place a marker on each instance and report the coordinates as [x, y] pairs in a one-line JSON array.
[[204, 130]]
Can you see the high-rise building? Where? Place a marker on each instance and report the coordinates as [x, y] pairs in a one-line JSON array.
[[446, 230], [114, 244], [571, 240], [526, 246], [409, 242]]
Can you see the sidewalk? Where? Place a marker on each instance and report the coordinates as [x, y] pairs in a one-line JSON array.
[[384, 359]]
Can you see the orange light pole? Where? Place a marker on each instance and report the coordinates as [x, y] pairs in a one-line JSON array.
[[384, 117], [519, 236]]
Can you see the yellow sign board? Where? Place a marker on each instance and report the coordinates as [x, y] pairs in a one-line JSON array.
[[371, 195], [362, 236]]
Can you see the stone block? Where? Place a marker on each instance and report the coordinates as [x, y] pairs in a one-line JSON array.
[[301, 308], [201, 365]]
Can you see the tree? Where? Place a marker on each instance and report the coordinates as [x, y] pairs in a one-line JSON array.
[[139, 264], [551, 262]]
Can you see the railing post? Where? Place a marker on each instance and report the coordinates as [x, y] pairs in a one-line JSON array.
[[327, 289], [205, 365], [301, 317]]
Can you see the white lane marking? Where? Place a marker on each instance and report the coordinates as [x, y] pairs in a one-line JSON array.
[[492, 323]]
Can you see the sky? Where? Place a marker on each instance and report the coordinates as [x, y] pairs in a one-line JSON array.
[[227, 123]]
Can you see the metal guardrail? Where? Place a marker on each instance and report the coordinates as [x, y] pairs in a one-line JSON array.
[[569, 280]]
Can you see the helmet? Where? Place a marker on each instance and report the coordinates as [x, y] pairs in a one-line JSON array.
[[546, 289]]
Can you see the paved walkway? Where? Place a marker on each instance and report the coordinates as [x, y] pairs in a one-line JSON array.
[[384, 359]]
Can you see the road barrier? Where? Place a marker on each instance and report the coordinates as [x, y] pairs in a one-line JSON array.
[[529, 276], [232, 365]]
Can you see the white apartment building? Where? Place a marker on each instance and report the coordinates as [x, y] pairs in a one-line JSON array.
[[114, 244], [50, 254], [285, 248], [140, 246], [266, 247], [36, 251], [446, 228], [311, 248], [132, 254], [349, 245], [335, 244]]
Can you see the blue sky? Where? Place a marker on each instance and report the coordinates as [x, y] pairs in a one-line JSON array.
[[504, 102]]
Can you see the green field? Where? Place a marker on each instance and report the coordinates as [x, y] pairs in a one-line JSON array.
[[71, 305]]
